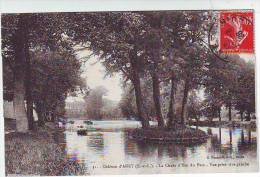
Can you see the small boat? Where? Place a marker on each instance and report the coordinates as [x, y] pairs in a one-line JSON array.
[[83, 129], [88, 122], [71, 122], [82, 132]]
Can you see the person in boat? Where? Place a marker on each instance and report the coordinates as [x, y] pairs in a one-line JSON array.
[[88, 122]]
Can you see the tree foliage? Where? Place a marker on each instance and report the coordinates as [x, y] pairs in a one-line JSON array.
[[161, 57]]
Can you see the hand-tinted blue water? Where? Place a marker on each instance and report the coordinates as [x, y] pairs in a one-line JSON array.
[[108, 150]]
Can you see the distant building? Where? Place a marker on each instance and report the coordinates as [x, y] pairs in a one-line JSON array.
[[75, 109]]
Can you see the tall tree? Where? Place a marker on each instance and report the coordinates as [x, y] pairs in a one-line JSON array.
[[244, 100], [19, 45], [221, 82], [194, 107], [55, 75], [95, 102], [192, 67], [114, 38], [153, 45], [22, 33]]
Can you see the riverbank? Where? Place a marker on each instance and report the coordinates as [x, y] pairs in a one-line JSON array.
[[180, 135], [38, 153], [224, 124]]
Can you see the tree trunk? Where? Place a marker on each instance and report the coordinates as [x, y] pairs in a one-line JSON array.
[[19, 75], [156, 99], [139, 103], [40, 112], [170, 110], [28, 87], [241, 116], [156, 57], [248, 117], [249, 136], [138, 93], [230, 136], [229, 112], [184, 101], [19, 107], [220, 135], [242, 137], [219, 114], [197, 123]]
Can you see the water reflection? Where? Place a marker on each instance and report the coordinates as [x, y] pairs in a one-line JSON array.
[[96, 142], [239, 142], [111, 146]]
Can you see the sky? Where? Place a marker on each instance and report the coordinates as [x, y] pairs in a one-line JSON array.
[[94, 73]]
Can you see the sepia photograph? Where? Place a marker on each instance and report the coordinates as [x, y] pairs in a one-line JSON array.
[[129, 92]]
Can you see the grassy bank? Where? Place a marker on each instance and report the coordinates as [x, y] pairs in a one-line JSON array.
[[37, 153]]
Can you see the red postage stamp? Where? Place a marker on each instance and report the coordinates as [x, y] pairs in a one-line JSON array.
[[236, 32]]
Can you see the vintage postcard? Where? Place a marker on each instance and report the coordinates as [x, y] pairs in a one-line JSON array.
[[129, 92]]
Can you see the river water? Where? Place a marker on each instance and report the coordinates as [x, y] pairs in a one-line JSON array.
[[108, 150]]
